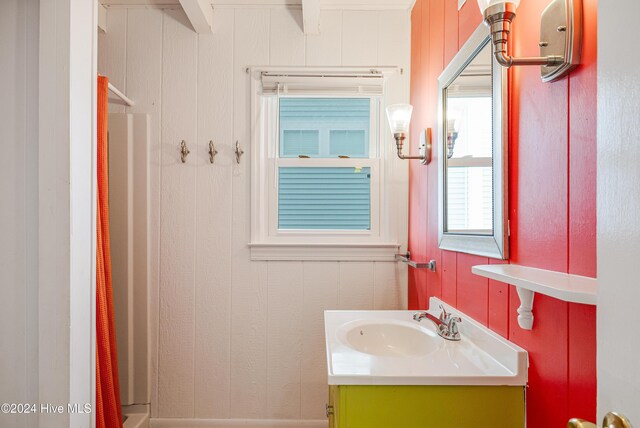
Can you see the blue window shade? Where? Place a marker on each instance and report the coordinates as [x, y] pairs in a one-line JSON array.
[[324, 198], [342, 126], [348, 143], [300, 143]]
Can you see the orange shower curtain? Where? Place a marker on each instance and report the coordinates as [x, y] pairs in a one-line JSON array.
[[108, 410]]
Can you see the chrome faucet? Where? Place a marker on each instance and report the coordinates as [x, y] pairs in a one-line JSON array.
[[446, 324]]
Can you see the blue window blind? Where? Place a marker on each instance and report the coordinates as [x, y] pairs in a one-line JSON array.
[[296, 143], [324, 198], [325, 127], [350, 143]]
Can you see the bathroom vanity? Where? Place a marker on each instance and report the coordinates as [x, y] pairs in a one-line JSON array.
[[386, 406], [387, 370]]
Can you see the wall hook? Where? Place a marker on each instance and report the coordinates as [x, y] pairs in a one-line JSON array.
[[184, 151], [212, 151], [239, 152]]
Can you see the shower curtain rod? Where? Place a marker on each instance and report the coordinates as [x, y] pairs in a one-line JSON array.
[[120, 95]]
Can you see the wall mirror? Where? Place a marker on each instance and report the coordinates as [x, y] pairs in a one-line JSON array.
[[472, 147]]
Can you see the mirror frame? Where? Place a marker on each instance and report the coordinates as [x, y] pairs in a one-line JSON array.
[[496, 245]]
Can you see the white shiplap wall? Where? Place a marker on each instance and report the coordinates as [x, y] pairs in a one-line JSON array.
[[19, 207], [233, 338]]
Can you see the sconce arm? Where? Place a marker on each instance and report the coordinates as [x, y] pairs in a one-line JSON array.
[[399, 142], [401, 156], [499, 17], [506, 60]]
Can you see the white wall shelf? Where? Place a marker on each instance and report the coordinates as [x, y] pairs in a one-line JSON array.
[[528, 281]]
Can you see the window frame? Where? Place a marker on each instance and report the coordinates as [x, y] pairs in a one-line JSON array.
[[268, 242]]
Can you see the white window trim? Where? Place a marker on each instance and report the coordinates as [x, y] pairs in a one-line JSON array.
[[269, 243]]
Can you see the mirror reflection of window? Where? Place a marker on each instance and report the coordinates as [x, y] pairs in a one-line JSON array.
[[468, 135]]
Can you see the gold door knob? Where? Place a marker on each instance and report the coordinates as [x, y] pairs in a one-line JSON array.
[[580, 423], [611, 420], [615, 420]]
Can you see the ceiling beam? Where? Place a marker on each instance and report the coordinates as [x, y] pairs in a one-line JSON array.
[[311, 16], [200, 13]]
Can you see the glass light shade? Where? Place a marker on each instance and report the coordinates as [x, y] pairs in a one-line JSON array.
[[484, 4], [399, 116]]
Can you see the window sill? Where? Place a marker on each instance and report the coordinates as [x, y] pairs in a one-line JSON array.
[[325, 252]]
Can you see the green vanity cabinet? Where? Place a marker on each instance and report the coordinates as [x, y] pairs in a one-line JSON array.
[[381, 406]]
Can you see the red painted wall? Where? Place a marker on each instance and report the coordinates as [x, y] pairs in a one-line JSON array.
[[552, 204]]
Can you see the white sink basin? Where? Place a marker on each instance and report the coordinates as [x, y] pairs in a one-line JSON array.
[[389, 338], [390, 348]]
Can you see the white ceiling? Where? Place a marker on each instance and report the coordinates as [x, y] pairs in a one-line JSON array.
[[324, 4]]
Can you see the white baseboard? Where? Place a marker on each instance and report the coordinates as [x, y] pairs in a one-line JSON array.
[[234, 423]]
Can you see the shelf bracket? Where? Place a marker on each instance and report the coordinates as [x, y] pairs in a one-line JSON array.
[[525, 311], [406, 258]]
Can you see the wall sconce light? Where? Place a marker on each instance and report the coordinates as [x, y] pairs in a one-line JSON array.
[[560, 35], [399, 116]]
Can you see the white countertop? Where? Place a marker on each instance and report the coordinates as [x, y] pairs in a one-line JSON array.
[[481, 357]]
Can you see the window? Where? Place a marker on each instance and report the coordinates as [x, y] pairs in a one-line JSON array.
[[317, 171], [332, 197], [470, 169]]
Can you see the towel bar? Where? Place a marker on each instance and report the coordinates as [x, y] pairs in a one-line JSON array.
[[406, 258]]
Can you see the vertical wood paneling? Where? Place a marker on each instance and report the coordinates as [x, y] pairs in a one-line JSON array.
[[417, 175], [469, 17], [582, 217], [144, 79], [552, 207], [412, 290], [547, 345], [359, 37], [284, 337], [113, 48], [249, 295], [14, 219], [387, 294], [436, 57], [449, 280], [177, 254], [393, 50], [326, 48], [213, 220], [320, 293], [32, 200], [540, 217], [472, 290], [356, 286], [226, 326], [540, 148], [287, 41], [582, 361], [450, 30], [498, 317], [582, 151], [537, 243]]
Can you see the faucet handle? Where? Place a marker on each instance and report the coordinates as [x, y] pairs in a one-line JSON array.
[[419, 316], [452, 326], [444, 315]]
